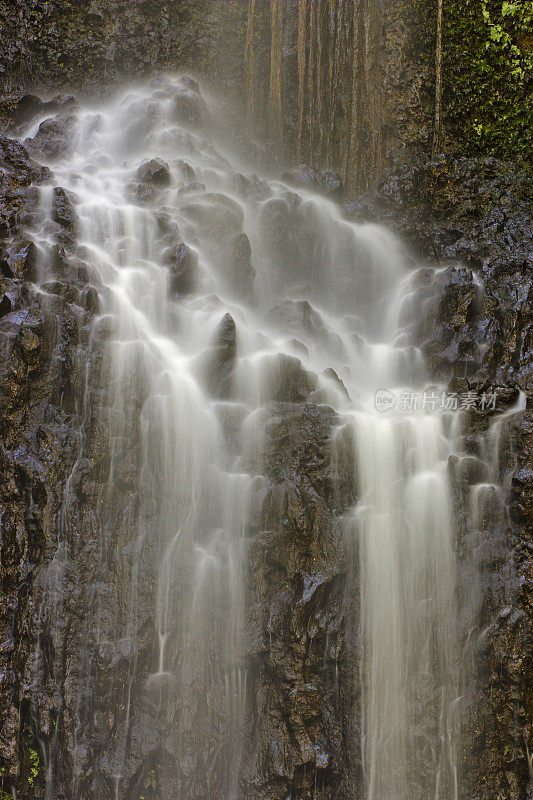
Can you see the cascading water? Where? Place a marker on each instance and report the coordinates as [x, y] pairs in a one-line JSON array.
[[221, 292]]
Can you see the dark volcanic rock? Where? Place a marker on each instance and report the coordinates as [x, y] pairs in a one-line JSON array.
[[16, 110], [141, 193], [98, 45], [14, 160], [286, 380], [323, 181], [53, 139], [189, 108], [474, 216], [40, 436], [154, 172], [182, 263], [63, 211], [237, 263], [19, 260], [61, 102], [297, 316], [220, 359], [252, 188], [216, 214], [300, 723]]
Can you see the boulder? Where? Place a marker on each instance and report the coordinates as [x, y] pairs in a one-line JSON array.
[[182, 263], [215, 215], [154, 172], [237, 263], [220, 359], [53, 139], [62, 209], [188, 108]]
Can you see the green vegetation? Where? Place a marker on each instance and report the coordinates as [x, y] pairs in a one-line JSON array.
[[150, 786], [488, 74], [35, 766]]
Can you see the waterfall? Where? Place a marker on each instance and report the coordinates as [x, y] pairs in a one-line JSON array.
[[220, 293]]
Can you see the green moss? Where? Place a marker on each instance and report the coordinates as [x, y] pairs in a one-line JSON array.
[[488, 51], [35, 766], [488, 72]]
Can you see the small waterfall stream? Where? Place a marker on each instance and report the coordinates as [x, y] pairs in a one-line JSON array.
[[221, 292]]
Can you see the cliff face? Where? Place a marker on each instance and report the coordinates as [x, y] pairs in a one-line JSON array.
[[469, 216], [91, 47], [94, 45], [41, 388]]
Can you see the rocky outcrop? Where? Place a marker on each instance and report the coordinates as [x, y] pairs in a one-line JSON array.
[[304, 706], [470, 218], [98, 44], [325, 182], [42, 338]]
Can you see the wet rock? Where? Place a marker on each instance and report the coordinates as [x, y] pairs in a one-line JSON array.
[[19, 109], [332, 375], [61, 289], [189, 108], [14, 159], [144, 117], [448, 304], [20, 260], [62, 103], [521, 506], [191, 188], [286, 380], [472, 215], [331, 184], [90, 300], [252, 188], [325, 182], [297, 316], [141, 193], [62, 209], [522, 489], [182, 263], [53, 139], [221, 358], [38, 432], [295, 607], [6, 303], [468, 471], [190, 84], [154, 172], [186, 171], [237, 261], [216, 215], [29, 341], [274, 224]]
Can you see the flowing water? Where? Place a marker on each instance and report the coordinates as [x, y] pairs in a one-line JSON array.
[[220, 292]]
